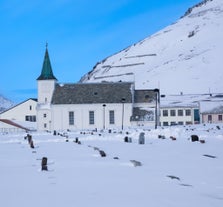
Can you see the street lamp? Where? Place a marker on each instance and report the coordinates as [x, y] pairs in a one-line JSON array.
[[156, 108], [123, 102], [104, 105]]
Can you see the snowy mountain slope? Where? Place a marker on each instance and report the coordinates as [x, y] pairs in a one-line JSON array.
[[5, 103], [183, 57]]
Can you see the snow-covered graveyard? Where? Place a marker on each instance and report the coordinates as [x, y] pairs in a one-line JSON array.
[[103, 169]]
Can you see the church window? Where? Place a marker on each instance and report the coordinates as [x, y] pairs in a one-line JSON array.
[[71, 118], [91, 117], [111, 117]]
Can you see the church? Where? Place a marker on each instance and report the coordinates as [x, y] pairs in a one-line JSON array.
[[90, 106]]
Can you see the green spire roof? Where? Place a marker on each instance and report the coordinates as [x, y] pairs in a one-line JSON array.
[[47, 72]]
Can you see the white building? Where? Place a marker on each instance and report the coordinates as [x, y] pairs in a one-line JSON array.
[[92, 105], [179, 115], [25, 111], [179, 110]]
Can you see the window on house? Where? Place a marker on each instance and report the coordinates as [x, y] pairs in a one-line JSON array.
[[172, 112], [180, 112], [173, 123], [165, 112], [188, 112], [44, 115], [30, 118], [180, 123], [30, 108], [91, 117], [111, 117], [45, 125], [165, 123], [209, 118], [71, 118], [45, 100], [220, 117]]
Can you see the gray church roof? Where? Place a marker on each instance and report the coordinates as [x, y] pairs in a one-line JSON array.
[[89, 93]]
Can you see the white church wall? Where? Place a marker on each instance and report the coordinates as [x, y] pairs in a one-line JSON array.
[[44, 119], [45, 90], [60, 116]]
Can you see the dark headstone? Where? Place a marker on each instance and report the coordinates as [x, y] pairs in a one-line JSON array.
[[126, 139], [161, 137], [102, 153], [31, 144], [44, 164], [194, 138], [202, 141], [173, 138], [54, 132], [29, 138], [142, 138]]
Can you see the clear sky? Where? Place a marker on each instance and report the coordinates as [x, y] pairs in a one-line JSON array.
[[79, 33]]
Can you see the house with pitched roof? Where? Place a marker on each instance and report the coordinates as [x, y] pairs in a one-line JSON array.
[[91, 106], [212, 112], [24, 111]]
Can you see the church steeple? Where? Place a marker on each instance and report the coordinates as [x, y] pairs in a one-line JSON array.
[[47, 72]]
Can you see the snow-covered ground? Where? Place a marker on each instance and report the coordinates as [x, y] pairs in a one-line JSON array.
[[173, 173]]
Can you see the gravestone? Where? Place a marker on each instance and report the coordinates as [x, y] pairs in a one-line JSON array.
[[102, 153], [32, 144], [126, 139], [44, 164], [142, 138], [29, 138], [194, 138]]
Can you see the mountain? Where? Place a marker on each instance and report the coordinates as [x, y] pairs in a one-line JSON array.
[[184, 57], [5, 103]]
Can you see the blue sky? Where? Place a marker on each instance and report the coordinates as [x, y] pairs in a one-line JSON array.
[[79, 33]]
